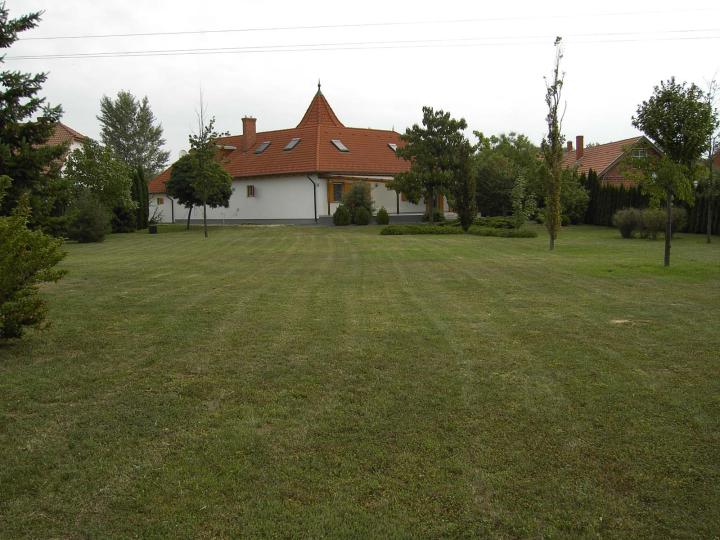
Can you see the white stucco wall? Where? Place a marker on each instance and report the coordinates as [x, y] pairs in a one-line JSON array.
[[165, 208], [277, 197]]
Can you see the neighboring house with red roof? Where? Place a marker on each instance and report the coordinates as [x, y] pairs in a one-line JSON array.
[[298, 174], [607, 160], [66, 135]]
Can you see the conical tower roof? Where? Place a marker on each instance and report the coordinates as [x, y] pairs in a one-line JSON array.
[[319, 113]]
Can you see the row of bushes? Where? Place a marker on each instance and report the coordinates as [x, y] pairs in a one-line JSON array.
[[647, 223], [414, 229], [360, 216]]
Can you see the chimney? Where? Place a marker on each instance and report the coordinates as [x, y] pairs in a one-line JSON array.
[[249, 134], [569, 146], [579, 146]]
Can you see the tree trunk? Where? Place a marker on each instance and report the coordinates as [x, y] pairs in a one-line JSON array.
[[431, 208], [187, 227], [205, 218], [668, 227]]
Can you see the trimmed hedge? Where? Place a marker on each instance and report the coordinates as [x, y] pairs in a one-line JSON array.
[[341, 217], [496, 222], [382, 216], [439, 229]]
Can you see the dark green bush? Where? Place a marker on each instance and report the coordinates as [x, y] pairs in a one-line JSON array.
[[55, 226], [341, 216], [362, 216], [89, 221], [496, 222], [440, 229], [419, 229], [502, 233], [565, 220], [627, 220], [123, 220], [382, 216], [653, 223], [358, 196]]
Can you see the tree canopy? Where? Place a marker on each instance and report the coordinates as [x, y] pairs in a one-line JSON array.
[[128, 126], [433, 151]]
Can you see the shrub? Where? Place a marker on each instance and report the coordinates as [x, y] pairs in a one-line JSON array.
[[55, 226], [123, 220], [627, 220], [341, 216], [440, 229], [497, 222], [653, 223], [565, 220], [502, 233], [89, 220], [419, 229], [358, 196], [438, 216], [362, 216], [27, 258], [382, 216]]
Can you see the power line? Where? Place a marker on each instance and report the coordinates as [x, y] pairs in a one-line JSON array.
[[612, 37], [365, 25]]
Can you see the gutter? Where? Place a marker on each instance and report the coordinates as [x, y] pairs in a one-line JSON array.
[[314, 196]]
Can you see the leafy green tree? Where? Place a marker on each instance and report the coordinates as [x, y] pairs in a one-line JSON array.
[[198, 178], [139, 193], [26, 123], [27, 258], [129, 128], [97, 169], [710, 184], [552, 148], [574, 197], [89, 220], [433, 154], [500, 160], [680, 121]]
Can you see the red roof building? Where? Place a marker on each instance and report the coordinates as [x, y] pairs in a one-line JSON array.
[[272, 170], [606, 159]]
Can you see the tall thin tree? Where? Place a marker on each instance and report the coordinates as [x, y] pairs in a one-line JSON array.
[[552, 146]]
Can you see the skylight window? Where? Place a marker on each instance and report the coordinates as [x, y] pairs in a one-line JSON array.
[[340, 146], [292, 144], [392, 146], [263, 146]]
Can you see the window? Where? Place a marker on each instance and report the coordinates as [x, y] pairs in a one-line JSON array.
[[250, 191], [337, 191], [160, 200], [340, 146], [392, 146], [263, 146], [292, 144], [639, 153]]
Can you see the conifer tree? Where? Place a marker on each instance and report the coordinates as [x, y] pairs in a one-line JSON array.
[[26, 123]]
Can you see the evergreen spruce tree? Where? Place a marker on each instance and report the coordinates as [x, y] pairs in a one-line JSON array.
[[26, 123]]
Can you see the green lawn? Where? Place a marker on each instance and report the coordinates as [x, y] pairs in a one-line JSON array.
[[301, 381]]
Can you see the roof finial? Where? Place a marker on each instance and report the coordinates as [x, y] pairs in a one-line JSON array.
[[319, 91]]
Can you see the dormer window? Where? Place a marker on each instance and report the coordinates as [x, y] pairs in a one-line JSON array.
[[292, 144], [263, 146], [392, 146], [339, 145]]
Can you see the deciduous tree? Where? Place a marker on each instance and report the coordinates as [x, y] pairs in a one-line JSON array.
[[432, 150], [128, 126], [552, 147], [680, 120]]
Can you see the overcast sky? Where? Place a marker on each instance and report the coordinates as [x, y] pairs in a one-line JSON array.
[[479, 61]]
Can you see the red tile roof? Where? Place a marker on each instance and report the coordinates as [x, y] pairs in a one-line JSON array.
[[599, 158], [64, 134], [369, 153]]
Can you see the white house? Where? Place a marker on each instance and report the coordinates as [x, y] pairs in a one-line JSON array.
[[66, 135], [298, 175]]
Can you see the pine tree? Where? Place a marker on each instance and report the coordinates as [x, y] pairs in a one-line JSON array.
[[26, 123]]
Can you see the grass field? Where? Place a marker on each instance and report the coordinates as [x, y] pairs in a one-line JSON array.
[[301, 381]]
